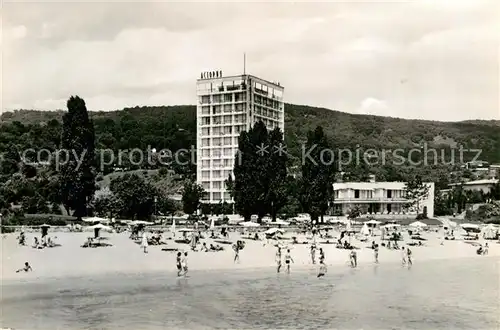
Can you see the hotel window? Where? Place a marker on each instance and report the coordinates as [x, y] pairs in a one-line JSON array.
[[227, 119], [389, 193], [356, 193], [205, 174], [216, 185], [217, 163], [227, 141], [227, 196], [227, 174], [205, 120], [216, 141], [236, 140], [216, 196], [227, 151], [217, 109], [205, 153], [228, 108], [227, 129], [205, 163], [205, 99], [205, 131], [228, 162], [216, 130], [205, 142], [217, 98], [216, 174], [206, 196], [239, 107], [205, 110], [239, 97], [228, 97], [206, 185], [239, 129], [217, 120], [217, 152]]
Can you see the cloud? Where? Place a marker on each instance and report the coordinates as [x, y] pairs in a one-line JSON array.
[[424, 59]]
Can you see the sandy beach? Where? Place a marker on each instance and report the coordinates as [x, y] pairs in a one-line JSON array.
[[125, 256]]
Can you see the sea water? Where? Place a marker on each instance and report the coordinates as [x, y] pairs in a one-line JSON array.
[[459, 294]]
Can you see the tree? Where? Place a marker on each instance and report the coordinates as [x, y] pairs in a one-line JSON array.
[[78, 145], [9, 161], [259, 184], [135, 196], [354, 213], [191, 197], [441, 204], [415, 191], [318, 175]]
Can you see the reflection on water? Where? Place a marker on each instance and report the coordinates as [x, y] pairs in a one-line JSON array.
[[433, 295]]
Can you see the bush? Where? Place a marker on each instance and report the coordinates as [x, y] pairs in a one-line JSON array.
[[39, 219], [6, 230]]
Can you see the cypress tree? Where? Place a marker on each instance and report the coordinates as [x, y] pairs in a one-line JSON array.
[[77, 160]]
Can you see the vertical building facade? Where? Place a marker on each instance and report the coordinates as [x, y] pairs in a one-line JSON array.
[[226, 107]]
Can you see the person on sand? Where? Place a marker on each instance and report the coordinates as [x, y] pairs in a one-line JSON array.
[[184, 264], [26, 268], [322, 268], [278, 260], [408, 256], [144, 243], [403, 255], [321, 255], [485, 250], [179, 263], [236, 249], [288, 259], [313, 254], [353, 257]]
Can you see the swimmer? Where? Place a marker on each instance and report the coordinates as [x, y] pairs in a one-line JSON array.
[[353, 258], [179, 263], [322, 269], [185, 264], [288, 259], [26, 268], [278, 260]]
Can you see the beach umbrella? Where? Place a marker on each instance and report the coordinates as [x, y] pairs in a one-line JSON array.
[[418, 224], [469, 226], [249, 224], [373, 222], [280, 222], [97, 228], [185, 230], [140, 222], [273, 231], [95, 219]]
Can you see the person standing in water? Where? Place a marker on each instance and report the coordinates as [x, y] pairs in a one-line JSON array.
[[322, 268], [353, 258], [408, 256], [321, 255], [313, 254], [288, 259], [185, 264], [144, 242], [375, 252], [403, 256], [236, 249], [179, 263], [278, 260]]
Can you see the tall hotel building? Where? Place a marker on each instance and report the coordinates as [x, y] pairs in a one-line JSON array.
[[226, 107]]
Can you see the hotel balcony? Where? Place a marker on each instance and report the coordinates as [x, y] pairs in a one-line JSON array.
[[343, 200]]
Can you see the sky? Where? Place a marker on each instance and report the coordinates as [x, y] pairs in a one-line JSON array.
[[436, 60]]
